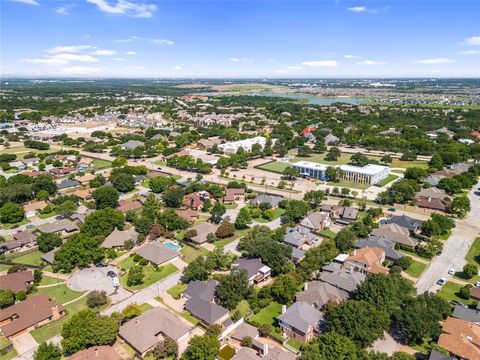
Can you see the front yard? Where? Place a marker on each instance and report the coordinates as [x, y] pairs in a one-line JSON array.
[[416, 269], [151, 274], [449, 292], [60, 293]]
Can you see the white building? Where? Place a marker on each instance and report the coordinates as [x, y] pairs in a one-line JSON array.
[[368, 174], [232, 147]]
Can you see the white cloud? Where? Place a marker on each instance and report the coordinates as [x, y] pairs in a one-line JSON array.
[[130, 53], [104, 52], [234, 59], [370, 62], [152, 40], [124, 7], [473, 40], [435, 61], [281, 71], [68, 49], [28, 2], [81, 70], [62, 10], [349, 56], [74, 57], [178, 68], [271, 60], [46, 61], [320, 63], [469, 52], [357, 9], [294, 67]]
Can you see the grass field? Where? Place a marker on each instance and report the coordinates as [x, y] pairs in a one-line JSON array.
[[4, 342], [189, 253], [98, 164], [449, 292], [268, 315], [33, 258], [177, 290], [387, 180], [221, 243], [60, 294], [242, 307], [349, 184], [9, 355], [151, 275], [416, 269], [294, 344]]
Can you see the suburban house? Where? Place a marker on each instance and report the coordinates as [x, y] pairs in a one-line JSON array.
[[318, 293], [245, 353], [380, 242], [60, 227], [203, 230], [467, 314], [256, 271], [18, 281], [22, 240], [189, 215], [117, 238], [29, 314], [461, 338], [273, 200], [232, 195], [433, 198], [193, 201], [367, 260], [62, 171], [48, 257], [32, 208], [149, 329], [413, 225], [245, 330], [298, 236], [132, 144], [102, 352], [68, 184], [84, 194], [343, 279], [396, 233], [316, 221], [347, 214], [129, 205], [157, 253], [330, 139], [300, 321], [85, 178], [276, 353], [475, 293], [201, 289]]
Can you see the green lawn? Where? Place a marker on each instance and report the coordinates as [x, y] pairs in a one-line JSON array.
[[449, 292], [46, 216], [387, 180], [9, 355], [48, 280], [177, 290], [231, 206], [226, 353], [294, 344], [4, 267], [275, 166], [276, 214], [151, 275], [268, 315], [328, 233], [33, 258], [60, 294], [473, 254], [9, 226], [445, 236], [189, 253], [145, 306], [186, 315], [242, 307], [221, 243], [4, 342], [98, 164], [416, 269], [349, 184]]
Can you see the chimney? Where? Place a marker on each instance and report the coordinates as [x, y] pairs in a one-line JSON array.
[[305, 286], [284, 308], [265, 349], [55, 313], [96, 352], [469, 338]]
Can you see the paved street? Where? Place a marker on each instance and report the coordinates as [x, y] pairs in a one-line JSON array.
[[455, 248], [147, 294]]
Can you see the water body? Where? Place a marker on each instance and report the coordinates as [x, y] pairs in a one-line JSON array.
[[315, 100]]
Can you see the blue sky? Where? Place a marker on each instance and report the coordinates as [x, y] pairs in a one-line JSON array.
[[151, 38]]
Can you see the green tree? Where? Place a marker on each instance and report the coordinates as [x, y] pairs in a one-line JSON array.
[[232, 288], [461, 204], [314, 198], [331, 346], [202, 348], [361, 321], [167, 349], [66, 208], [96, 298], [386, 159], [295, 210], [48, 351], [196, 270], [170, 221], [284, 288], [106, 197], [160, 183], [217, 211], [173, 197], [359, 159], [123, 182], [119, 162], [415, 173], [344, 240], [85, 329], [333, 173], [131, 310], [135, 276], [333, 154], [470, 270], [225, 230], [7, 298], [11, 213], [48, 242], [103, 222], [45, 183], [79, 250], [99, 181], [243, 219], [290, 172]]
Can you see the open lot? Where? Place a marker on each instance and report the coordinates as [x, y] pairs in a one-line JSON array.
[[151, 275]]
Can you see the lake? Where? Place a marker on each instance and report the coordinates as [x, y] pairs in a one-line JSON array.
[[315, 99]]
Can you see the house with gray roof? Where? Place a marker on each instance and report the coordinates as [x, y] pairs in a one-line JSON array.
[[300, 321], [343, 279], [245, 353], [256, 270], [157, 253], [63, 226], [48, 257], [68, 184], [132, 144], [297, 255], [245, 330], [330, 139], [276, 353], [144, 332], [379, 241], [406, 221], [206, 311], [203, 230], [395, 233], [273, 200], [316, 221], [118, 238], [318, 293], [298, 236], [201, 289], [467, 314]]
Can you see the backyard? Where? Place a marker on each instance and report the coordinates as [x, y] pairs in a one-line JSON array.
[[32, 258], [269, 316], [99, 164]]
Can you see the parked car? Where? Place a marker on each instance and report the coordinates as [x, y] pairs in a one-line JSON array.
[[59, 217], [441, 281], [29, 226], [159, 168], [392, 209], [15, 226], [111, 274], [459, 303], [451, 271], [477, 284]]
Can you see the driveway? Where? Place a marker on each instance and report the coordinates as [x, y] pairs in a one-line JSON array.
[[29, 355], [95, 278], [146, 294], [24, 343], [454, 249]]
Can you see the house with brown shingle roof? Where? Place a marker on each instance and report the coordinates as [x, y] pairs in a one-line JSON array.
[[63, 226], [432, 198], [22, 240], [366, 260], [96, 353], [396, 233], [461, 338], [128, 205], [118, 238], [189, 215], [232, 195], [193, 201], [85, 178], [203, 230], [18, 281], [29, 314], [33, 207], [84, 194], [157, 253]]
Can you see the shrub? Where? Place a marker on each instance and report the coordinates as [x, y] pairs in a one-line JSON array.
[[464, 292], [96, 299], [21, 295], [470, 270], [404, 262]]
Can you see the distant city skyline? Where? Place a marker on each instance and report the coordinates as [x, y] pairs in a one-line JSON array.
[[239, 39]]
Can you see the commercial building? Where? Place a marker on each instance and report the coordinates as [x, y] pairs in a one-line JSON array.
[[232, 147], [368, 174]]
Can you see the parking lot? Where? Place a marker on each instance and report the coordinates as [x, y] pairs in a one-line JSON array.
[[96, 278]]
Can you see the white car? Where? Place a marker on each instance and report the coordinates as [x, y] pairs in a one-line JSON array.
[[451, 272], [477, 284], [441, 281]]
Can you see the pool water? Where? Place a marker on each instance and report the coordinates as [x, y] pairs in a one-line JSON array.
[[172, 246]]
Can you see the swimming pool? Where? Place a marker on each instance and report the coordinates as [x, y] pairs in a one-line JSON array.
[[172, 246]]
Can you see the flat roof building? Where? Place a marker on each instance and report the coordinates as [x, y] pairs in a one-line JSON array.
[[233, 146]]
